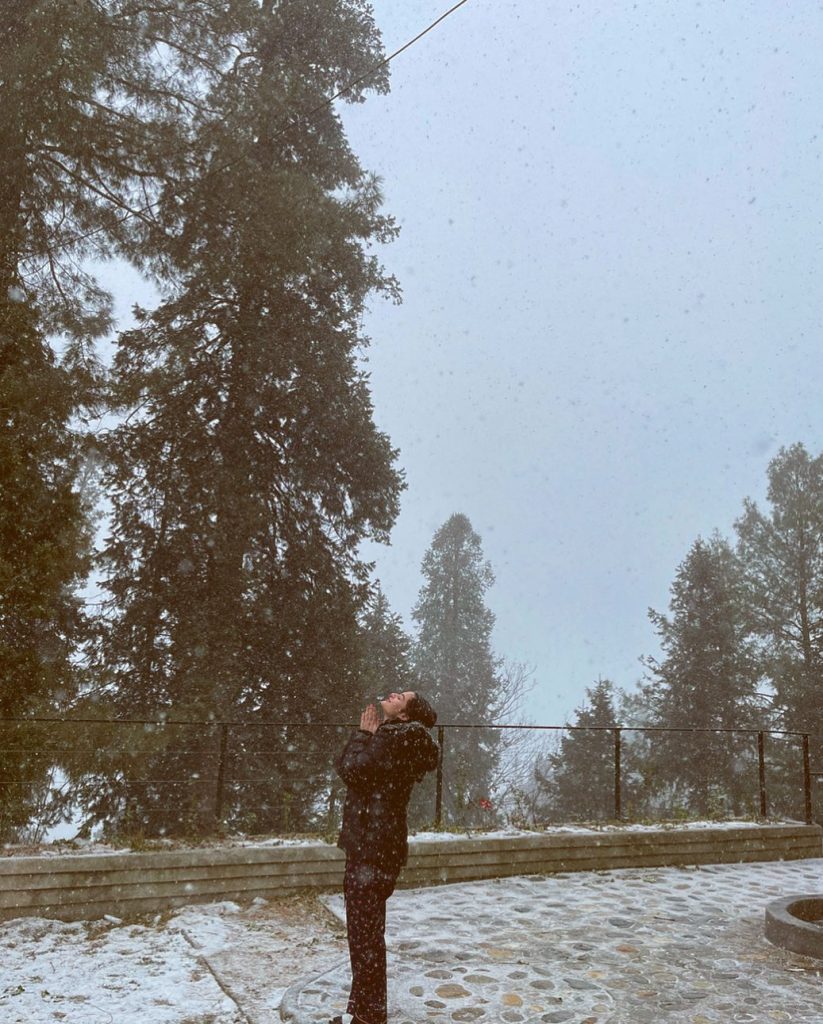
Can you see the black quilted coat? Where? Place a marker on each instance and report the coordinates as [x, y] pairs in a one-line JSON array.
[[380, 770]]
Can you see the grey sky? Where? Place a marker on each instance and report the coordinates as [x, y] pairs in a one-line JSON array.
[[611, 260]]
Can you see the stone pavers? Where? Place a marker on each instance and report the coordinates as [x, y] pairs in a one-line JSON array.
[[633, 946]]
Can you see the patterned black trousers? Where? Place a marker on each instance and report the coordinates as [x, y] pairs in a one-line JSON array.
[[366, 889]]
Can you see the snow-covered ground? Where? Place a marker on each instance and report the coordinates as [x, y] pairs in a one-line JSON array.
[[212, 964], [635, 945]]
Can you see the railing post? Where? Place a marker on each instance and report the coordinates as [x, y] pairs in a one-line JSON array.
[[761, 772], [221, 774], [807, 779], [438, 795], [618, 783]]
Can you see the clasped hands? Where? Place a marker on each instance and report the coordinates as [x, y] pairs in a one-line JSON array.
[[370, 719]]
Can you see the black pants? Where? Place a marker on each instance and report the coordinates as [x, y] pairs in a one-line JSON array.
[[366, 889]]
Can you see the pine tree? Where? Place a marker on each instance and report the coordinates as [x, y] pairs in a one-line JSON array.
[[93, 132], [706, 679], [782, 556], [94, 128], [43, 555], [454, 660], [249, 468], [52, 73], [386, 657], [781, 550], [579, 782]]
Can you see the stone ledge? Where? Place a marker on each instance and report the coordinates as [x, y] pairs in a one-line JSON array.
[[76, 886], [467, 859]]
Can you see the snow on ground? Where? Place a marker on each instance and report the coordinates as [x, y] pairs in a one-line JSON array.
[[101, 972], [212, 964], [628, 946]]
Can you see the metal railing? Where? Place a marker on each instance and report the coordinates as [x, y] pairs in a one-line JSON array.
[[237, 736], [617, 734]]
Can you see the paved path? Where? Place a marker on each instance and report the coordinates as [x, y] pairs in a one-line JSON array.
[[636, 946]]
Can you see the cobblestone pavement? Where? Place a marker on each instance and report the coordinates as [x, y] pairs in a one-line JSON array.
[[632, 946]]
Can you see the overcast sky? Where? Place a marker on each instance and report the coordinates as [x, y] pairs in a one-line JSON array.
[[611, 257]]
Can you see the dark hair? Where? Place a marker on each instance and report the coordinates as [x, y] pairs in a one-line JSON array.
[[419, 710]]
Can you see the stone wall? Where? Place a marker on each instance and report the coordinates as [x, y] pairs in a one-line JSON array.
[[124, 884]]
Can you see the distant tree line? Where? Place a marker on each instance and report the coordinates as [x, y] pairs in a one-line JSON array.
[[742, 648]]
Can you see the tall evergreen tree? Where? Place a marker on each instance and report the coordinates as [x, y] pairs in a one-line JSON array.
[[386, 657], [93, 126], [249, 467], [706, 679], [781, 551], [455, 663], [44, 547], [579, 781], [51, 67]]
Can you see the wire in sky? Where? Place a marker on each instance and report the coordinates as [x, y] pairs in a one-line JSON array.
[[320, 106], [390, 58]]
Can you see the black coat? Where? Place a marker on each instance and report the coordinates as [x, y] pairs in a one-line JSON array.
[[380, 770]]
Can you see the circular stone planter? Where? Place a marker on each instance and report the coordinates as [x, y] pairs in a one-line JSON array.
[[796, 923]]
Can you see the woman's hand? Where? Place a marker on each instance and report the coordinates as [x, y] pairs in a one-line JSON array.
[[370, 719]]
